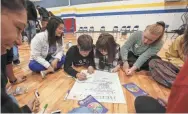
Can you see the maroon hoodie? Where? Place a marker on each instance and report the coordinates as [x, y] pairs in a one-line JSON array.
[[178, 100]]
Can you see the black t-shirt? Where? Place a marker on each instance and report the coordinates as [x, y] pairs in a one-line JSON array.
[[73, 57]]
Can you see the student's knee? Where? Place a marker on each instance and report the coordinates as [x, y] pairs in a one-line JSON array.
[[35, 66], [60, 63], [63, 59], [152, 63]]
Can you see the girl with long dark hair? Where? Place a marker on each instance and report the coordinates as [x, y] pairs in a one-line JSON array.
[[47, 48], [107, 53]]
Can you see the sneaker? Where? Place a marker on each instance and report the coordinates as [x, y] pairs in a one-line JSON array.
[[16, 62], [43, 74], [62, 66]]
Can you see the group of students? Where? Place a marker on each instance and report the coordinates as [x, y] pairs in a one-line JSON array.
[[47, 56], [47, 51]]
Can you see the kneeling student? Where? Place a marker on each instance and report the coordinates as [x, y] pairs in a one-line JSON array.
[[141, 47]]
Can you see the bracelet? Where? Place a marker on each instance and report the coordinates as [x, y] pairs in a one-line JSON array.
[[13, 82]]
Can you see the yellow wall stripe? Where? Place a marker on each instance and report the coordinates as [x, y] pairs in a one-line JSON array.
[[131, 6]]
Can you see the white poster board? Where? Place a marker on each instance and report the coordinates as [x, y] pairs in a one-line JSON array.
[[103, 86]]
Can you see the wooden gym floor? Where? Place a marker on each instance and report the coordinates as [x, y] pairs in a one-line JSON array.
[[53, 88]]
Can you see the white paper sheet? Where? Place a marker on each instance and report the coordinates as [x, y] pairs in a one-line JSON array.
[[103, 86]]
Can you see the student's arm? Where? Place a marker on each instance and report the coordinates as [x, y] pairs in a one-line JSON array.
[[128, 44], [117, 60], [59, 52], [153, 50], [68, 63], [36, 50]]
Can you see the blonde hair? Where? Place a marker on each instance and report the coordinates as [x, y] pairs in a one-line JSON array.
[[156, 29]]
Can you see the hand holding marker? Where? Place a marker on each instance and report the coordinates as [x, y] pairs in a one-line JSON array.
[[37, 96], [86, 75]]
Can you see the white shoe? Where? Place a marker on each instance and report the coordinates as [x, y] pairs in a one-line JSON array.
[[62, 66], [43, 74]]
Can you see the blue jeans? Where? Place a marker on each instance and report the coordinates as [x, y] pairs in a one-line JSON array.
[[15, 53], [37, 67], [30, 30]]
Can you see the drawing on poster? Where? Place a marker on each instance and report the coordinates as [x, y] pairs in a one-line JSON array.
[[103, 86]]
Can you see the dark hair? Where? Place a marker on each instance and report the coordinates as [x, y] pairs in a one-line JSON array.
[[185, 42], [13, 5], [51, 27], [50, 14], [162, 23], [106, 42], [85, 42]]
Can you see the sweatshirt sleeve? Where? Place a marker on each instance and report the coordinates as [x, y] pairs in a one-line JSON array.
[[68, 63], [36, 48], [128, 44], [178, 100], [119, 58]]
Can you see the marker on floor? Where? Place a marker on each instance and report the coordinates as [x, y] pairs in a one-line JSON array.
[[65, 98]]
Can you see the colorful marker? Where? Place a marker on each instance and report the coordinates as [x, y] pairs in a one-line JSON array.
[[44, 109], [65, 98]]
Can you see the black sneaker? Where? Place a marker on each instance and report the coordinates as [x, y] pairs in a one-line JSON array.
[[16, 62]]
